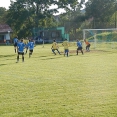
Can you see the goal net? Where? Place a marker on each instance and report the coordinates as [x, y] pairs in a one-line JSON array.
[[101, 38]]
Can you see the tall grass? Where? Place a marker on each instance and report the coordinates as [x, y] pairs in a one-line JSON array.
[[46, 85]]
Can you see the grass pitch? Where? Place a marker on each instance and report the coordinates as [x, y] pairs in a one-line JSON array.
[[46, 85]]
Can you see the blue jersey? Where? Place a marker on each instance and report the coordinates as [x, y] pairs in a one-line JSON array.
[[26, 45], [15, 40], [31, 45], [79, 44], [20, 47]]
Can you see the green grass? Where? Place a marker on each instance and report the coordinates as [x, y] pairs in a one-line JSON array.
[[46, 85]]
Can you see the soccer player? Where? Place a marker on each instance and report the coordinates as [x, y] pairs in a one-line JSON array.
[[15, 41], [55, 47], [31, 47], [20, 48], [26, 43], [87, 45], [26, 48], [79, 44], [66, 47]]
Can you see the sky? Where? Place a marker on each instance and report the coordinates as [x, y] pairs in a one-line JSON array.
[[5, 3]]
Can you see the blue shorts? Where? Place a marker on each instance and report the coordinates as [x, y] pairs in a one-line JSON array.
[[15, 44], [79, 48], [66, 51]]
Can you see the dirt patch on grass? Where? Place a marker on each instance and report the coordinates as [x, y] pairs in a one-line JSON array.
[[91, 51]]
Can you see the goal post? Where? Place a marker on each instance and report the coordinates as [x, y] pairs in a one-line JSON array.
[[101, 38]]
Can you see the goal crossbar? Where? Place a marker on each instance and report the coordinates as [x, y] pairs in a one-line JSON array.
[[96, 30]]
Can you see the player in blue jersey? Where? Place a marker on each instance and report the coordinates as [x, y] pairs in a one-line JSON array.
[[20, 48], [79, 44], [15, 41], [31, 47]]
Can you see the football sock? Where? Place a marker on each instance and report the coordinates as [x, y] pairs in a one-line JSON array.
[[22, 58]]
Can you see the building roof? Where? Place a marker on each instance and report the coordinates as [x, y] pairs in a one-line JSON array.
[[4, 28]]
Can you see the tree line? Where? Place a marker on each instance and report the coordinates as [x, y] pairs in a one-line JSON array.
[[24, 15]]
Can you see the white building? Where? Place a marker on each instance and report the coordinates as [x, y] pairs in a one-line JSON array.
[[5, 32]]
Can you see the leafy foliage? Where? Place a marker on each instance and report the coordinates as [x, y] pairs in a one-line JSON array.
[[3, 13], [26, 14], [100, 10]]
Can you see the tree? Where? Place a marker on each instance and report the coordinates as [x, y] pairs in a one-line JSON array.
[[100, 10], [23, 15], [3, 13]]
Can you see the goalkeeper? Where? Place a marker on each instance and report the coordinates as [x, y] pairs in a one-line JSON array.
[[55, 47], [87, 45]]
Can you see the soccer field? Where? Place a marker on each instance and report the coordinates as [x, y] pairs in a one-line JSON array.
[[48, 85]]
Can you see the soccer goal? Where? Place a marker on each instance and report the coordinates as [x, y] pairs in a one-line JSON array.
[[101, 38]]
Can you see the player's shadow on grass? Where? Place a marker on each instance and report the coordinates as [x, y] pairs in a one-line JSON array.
[[42, 56], [7, 57], [51, 58], [2, 64], [11, 59], [4, 56], [39, 56], [73, 55]]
